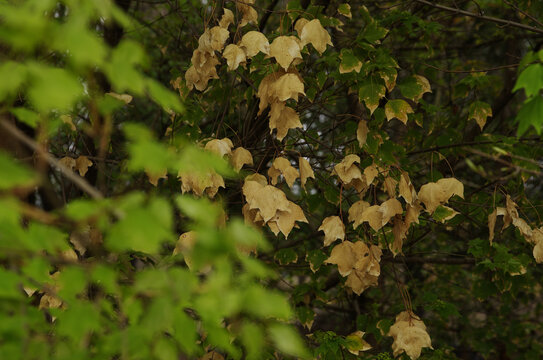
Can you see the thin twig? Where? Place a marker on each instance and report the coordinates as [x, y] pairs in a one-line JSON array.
[[482, 17], [72, 176]]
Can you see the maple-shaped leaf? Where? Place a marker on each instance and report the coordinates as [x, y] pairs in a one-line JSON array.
[[410, 335], [362, 132], [434, 194], [345, 10], [389, 209], [285, 49], [333, 229], [344, 256], [154, 177], [285, 221], [414, 87], [218, 37], [281, 166], [226, 19], [254, 42], [265, 93], [67, 161], [349, 62], [347, 170], [370, 173], [208, 182], [356, 343], [398, 109], [82, 164], [266, 198], [220, 147], [306, 171], [313, 33], [356, 210], [406, 188], [371, 93], [283, 118], [300, 23], [479, 111], [234, 55], [389, 75], [240, 156], [287, 86], [248, 13]]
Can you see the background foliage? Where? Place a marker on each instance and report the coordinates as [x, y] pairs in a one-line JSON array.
[[113, 244]]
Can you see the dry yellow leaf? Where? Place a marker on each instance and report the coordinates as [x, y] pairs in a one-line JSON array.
[[254, 42], [399, 231], [371, 173], [344, 256], [491, 225], [300, 23], [313, 33], [410, 335], [264, 92], [266, 198], [281, 166], [362, 132], [82, 165], [390, 208], [285, 221], [347, 170], [306, 171], [412, 213], [390, 186], [259, 178], [199, 183], [220, 147], [285, 49], [234, 55], [68, 162], [153, 178], [356, 210], [283, 118], [122, 97], [373, 216], [218, 36], [436, 193], [240, 157], [333, 229], [287, 86], [538, 252], [249, 14], [406, 188], [226, 19]]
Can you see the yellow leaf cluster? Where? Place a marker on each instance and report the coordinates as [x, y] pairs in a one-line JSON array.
[[511, 216], [267, 204], [198, 183], [410, 335], [376, 216], [349, 173], [81, 164], [358, 262]]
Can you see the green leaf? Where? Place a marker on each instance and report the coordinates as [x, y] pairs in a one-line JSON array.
[[141, 228], [164, 97], [53, 88], [13, 174], [530, 114], [121, 68], [288, 341], [349, 62], [286, 256], [371, 92], [373, 32], [10, 288], [252, 338], [531, 79], [13, 75], [26, 116], [398, 109], [264, 303]]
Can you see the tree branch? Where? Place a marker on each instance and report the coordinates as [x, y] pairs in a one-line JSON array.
[[72, 176], [482, 17]]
